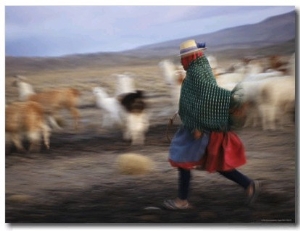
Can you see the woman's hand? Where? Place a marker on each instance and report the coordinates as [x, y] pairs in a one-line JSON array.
[[197, 134]]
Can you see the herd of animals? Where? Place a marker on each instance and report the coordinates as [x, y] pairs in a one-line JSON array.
[[266, 87]]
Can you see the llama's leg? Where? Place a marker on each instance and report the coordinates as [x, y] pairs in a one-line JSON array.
[[285, 114], [139, 124], [117, 119], [122, 119], [53, 122], [34, 139], [249, 119], [256, 116], [16, 139], [137, 138], [145, 127], [134, 127], [280, 117], [127, 134], [264, 114], [272, 117], [255, 119], [46, 135]]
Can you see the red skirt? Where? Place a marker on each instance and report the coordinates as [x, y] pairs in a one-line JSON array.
[[225, 151]]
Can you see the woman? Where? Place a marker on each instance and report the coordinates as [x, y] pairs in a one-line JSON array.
[[205, 139]]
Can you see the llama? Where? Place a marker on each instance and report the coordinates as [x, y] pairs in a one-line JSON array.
[[271, 96], [228, 80], [112, 110], [276, 63], [271, 99], [25, 89], [125, 110], [136, 118], [265, 75], [255, 71], [247, 92], [26, 118], [277, 99], [52, 100], [243, 71], [173, 77]]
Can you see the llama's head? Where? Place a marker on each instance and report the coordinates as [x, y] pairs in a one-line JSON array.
[[19, 79], [168, 70], [98, 91], [133, 102], [24, 87]]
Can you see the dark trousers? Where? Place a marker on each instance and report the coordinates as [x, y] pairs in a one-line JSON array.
[[185, 179]]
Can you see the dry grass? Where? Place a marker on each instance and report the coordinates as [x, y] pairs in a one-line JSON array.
[[86, 73], [148, 78], [134, 164]]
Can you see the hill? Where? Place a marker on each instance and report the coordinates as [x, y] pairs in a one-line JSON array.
[[275, 35], [274, 31]]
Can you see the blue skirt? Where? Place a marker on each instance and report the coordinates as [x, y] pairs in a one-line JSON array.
[[186, 151]]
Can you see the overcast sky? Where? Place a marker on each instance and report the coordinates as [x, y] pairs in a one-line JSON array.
[[61, 30]]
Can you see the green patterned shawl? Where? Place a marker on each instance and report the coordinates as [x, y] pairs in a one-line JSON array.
[[203, 105]]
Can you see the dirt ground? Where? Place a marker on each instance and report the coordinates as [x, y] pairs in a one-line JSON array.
[[77, 180]]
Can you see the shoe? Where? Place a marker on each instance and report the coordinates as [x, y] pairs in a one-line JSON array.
[[171, 205], [255, 191]]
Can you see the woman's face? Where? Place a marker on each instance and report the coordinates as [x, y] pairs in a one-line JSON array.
[[187, 59]]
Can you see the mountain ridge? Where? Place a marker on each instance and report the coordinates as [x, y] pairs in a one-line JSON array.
[[275, 35], [243, 35]]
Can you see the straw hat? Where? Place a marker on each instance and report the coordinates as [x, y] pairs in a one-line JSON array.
[[190, 46]]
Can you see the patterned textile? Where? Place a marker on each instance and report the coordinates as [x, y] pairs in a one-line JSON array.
[[225, 151], [186, 151], [203, 105]]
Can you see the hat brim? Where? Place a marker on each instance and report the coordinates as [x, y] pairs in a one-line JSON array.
[[189, 52]]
